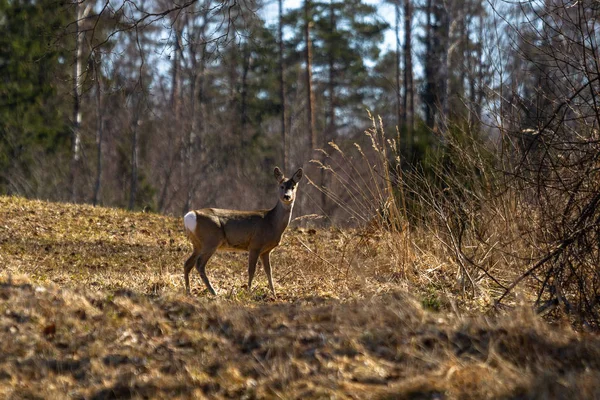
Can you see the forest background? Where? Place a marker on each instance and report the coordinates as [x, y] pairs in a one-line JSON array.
[[159, 104]]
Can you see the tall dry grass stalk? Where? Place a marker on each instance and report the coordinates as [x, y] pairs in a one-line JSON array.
[[448, 227], [366, 187]]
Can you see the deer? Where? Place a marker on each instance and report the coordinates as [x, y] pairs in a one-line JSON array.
[[257, 232]]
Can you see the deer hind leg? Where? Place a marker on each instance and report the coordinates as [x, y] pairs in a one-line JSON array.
[[265, 257], [252, 259], [187, 267], [201, 267]]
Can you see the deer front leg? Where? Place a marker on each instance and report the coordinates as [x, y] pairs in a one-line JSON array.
[[252, 259], [265, 257]]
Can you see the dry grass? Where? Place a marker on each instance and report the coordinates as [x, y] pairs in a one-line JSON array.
[[92, 305]]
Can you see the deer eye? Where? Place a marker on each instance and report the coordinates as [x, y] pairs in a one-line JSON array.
[[282, 187]]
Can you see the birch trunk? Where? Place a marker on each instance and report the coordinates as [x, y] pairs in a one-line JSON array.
[[99, 129]]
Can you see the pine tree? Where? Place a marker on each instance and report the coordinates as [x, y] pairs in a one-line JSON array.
[[34, 109], [346, 36]]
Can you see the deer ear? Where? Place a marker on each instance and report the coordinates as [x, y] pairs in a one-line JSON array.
[[278, 174], [297, 176]]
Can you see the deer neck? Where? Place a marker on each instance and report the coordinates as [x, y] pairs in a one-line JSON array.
[[281, 215]]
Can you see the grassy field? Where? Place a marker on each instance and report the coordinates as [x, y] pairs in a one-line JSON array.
[[92, 306]]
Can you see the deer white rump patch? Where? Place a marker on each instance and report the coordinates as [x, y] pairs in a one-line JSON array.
[[189, 220]]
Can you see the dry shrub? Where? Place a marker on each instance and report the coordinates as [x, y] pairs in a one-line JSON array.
[[430, 224], [551, 147], [472, 223]]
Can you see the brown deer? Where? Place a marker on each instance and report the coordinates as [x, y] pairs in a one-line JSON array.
[[258, 232]]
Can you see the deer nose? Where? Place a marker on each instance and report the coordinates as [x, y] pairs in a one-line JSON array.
[[287, 197]]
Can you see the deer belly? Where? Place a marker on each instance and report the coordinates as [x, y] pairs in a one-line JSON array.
[[237, 237], [230, 245]]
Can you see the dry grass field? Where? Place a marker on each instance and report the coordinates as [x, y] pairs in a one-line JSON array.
[[92, 306]]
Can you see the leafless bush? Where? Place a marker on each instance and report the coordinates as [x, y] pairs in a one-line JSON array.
[[551, 148], [526, 213]]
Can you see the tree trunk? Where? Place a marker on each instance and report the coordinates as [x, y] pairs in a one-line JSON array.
[[480, 63], [444, 71], [172, 128], [310, 93], [428, 93], [400, 111], [329, 133], [193, 151], [331, 66], [246, 55], [175, 69], [284, 151], [76, 134], [134, 159], [99, 129], [191, 138], [409, 91]]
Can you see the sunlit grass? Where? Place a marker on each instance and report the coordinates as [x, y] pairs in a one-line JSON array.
[[92, 305]]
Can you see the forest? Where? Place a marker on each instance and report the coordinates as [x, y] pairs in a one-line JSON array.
[[469, 128], [157, 105]]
